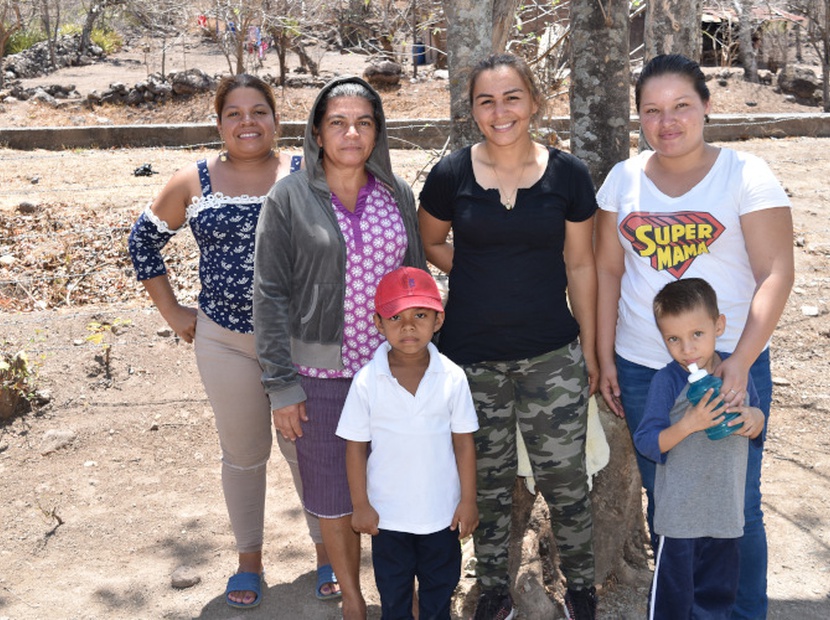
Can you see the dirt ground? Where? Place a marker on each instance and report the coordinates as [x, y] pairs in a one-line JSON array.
[[114, 484]]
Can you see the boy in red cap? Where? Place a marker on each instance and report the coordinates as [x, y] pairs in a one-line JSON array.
[[415, 492]]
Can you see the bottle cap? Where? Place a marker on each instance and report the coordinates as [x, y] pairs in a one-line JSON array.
[[695, 373]]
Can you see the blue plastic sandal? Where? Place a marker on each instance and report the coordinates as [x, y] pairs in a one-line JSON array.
[[244, 582], [326, 576]]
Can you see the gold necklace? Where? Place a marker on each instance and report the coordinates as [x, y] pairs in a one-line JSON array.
[[508, 202]]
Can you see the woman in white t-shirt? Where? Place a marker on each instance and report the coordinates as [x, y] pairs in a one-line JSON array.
[[690, 209]]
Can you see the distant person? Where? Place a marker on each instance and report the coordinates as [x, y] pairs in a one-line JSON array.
[[521, 260], [220, 199], [691, 209], [410, 458], [326, 237], [699, 482]]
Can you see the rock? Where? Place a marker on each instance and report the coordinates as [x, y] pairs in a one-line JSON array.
[[441, 74], [184, 577], [809, 310], [42, 397], [383, 74], [802, 83], [54, 440], [44, 97], [304, 81], [191, 82], [27, 208], [7, 260], [164, 332], [36, 61]]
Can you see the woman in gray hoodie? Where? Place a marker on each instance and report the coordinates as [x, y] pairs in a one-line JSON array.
[[325, 238]]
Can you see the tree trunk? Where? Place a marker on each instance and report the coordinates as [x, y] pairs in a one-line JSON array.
[[92, 15], [281, 43], [600, 80], [825, 61], [46, 22], [746, 50], [469, 39], [503, 13], [673, 27], [306, 60], [475, 29]]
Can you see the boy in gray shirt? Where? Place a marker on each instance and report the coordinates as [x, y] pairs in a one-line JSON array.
[[699, 483]]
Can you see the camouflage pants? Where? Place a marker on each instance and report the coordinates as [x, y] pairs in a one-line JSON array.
[[548, 395]]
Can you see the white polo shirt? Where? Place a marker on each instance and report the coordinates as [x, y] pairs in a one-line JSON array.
[[412, 476]]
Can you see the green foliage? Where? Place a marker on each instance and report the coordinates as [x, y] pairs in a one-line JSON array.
[[70, 29], [99, 330], [98, 336], [107, 39], [23, 40]]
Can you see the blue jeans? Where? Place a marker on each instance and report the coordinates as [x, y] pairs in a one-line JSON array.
[[634, 380]]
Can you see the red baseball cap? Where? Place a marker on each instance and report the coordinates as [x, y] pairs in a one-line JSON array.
[[406, 287]]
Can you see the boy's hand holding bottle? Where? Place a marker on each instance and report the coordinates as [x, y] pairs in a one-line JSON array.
[[706, 413]]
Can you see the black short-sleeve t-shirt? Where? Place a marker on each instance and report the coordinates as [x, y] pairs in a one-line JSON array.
[[507, 287]]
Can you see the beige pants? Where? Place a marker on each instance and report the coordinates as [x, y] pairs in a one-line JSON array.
[[231, 375]]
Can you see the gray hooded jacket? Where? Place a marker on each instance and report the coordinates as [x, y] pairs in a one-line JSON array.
[[300, 262]]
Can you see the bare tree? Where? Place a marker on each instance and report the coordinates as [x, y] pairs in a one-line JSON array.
[[600, 81], [746, 49], [817, 35], [164, 18], [469, 29], [673, 27], [290, 25], [471, 36], [94, 12], [600, 86], [50, 19], [236, 21]]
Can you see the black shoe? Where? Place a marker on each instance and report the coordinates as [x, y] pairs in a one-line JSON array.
[[494, 605], [581, 604]]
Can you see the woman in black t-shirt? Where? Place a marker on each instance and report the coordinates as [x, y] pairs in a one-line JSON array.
[[522, 221]]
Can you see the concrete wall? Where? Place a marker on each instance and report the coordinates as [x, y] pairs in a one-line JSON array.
[[407, 133]]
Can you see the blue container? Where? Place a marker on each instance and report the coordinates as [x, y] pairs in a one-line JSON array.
[[419, 53], [699, 383]]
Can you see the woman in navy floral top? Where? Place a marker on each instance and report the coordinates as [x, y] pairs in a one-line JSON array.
[[220, 199]]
